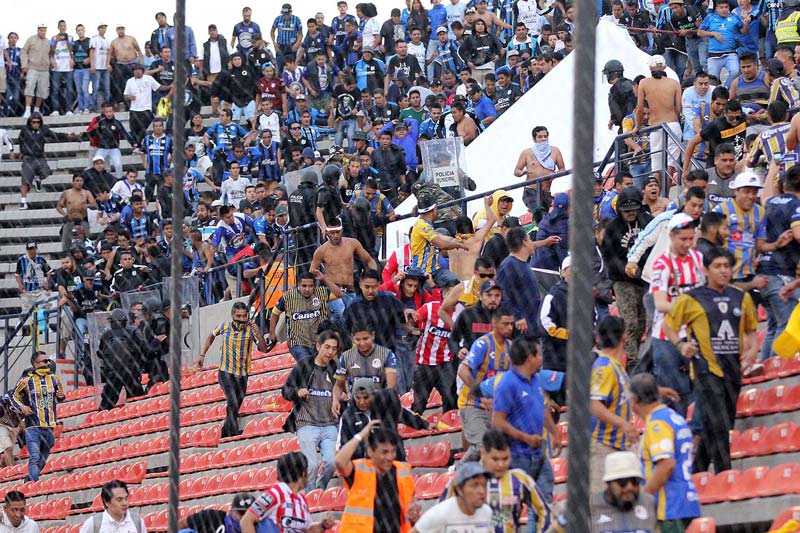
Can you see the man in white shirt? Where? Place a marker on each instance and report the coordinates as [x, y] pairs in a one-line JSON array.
[[116, 518], [12, 518], [62, 63], [269, 120], [139, 92], [3, 46], [125, 188], [467, 511], [232, 190], [98, 67]]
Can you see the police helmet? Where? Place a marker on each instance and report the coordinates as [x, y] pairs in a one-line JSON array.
[[613, 66], [331, 174], [118, 319]]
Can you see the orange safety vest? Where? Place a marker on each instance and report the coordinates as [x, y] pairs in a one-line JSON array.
[[273, 280], [358, 516]]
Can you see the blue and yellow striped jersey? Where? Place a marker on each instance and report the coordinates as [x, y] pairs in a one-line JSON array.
[[487, 356], [746, 228], [38, 391], [610, 384], [667, 436], [424, 254], [784, 89], [772, 142], [236, 346]]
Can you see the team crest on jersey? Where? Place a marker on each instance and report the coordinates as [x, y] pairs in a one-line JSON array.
[[641, 512], [737, 311], [315, 302], [376, 363], [723, 307]]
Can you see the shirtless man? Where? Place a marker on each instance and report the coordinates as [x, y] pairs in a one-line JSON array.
[[663, 95], [492, 21], [337, 256], [540, 160], [465, 125], [72, 205], [122, 54], [793, 137], [652, 198]]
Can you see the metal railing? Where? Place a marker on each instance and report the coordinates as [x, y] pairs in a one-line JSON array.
[[37, 319], [623, 157]]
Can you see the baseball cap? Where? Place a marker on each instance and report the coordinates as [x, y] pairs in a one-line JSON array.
[[629, 204], [41, 26], [512, 53], [679, 2], [441, 29], [566, 263], [425, 203], [281, 210], [488, 285], [469, 470], [506, 198], [510, 222], [561, 201], [242, 502], [120, 25], [363, 385], [775, 67], [98, 158], [300, 96], [217, 203], [286, 8], [621, 465], [470, 10], [368, 49], [101, 25], [746, 179], [189, 144], [360, 136], [308, 152], [681, 221], [245, 204], [657, 61], [30, 245]]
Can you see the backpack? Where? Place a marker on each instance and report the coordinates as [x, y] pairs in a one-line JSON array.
[[97, 521]]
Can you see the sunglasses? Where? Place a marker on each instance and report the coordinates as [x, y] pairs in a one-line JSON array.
[[489, 276], [294, 128], [628, 480]]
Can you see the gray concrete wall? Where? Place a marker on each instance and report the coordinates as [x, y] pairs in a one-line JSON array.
[[210, 317]]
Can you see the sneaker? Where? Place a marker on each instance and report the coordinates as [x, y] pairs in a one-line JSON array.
[[68, 114], [23, 205], [55, 114], [27, 113], [136, 151], [37, 184]]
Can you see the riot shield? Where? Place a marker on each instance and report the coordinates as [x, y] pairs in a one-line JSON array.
[[292, 179], [132, 304], [189, 302], [97, 324], [443, 161]]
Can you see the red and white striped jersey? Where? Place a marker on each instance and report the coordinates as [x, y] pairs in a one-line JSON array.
[[432, 347], [674, 275], [278, 506]]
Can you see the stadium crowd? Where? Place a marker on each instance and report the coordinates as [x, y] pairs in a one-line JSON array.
[[458, 308]]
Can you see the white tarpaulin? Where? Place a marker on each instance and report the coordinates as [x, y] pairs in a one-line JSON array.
[[492, 156]]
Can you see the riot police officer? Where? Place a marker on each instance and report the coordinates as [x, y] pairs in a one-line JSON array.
[[121, 355], [302, 211], [787, 28], [155, 329], [621, 97], [329, 200]]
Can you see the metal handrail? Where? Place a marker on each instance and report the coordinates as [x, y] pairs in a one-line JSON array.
[[22, 319]]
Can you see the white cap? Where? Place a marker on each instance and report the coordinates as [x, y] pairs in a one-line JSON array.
[[746, 179], [217, 203], [100, 25], [681, 221], [441, 29], [42, 25], [566, 263], [98, 158], [120, 25], [657, 61], [621, 465]]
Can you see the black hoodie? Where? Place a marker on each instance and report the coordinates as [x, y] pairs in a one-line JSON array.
[[620, 237], [32, 141]]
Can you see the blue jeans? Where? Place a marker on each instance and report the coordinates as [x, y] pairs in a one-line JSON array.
[[640, 172], [406, 359], [82, 78], [112, 156], [671, 369], [301, 352], [676, 61], [697, 48], [442, 277], [778, 311], [339, 306], [729, 62], [538, 467], [61, 88], [324, 437], [39, 442], [100, 87], [12, 105], [346, 128], [770, 44]]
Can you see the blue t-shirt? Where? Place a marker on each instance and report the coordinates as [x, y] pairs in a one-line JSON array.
[[232, 237], [749, 42], [222, 136], [484, 108], [522, 400], [729, 27]]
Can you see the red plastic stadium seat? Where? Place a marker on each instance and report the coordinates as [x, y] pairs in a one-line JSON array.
[[424, 486], [770, 400], [442, 482], [792, 513], [702, 481], [215, 485], [747, 485], [333, 499], [706, 524], [747, 402], [782, 479], [792, 367], [750, 443], [791, 402], [783, 438], [559, 465], [773, 367], [312, 497], [723, 486]]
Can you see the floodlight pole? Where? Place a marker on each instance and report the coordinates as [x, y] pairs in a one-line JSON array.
[[582, 247]]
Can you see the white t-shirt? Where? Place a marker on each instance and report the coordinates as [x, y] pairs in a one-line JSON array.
[[124, 190], [3, 46], [109, 525], [232, 191], [62, 56], [100, 45], [446, 517], [26, 526], [418, 51], [142, 89], [271, 122], [371, 28]]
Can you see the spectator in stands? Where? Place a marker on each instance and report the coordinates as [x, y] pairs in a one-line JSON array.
[[519, 283], [117, 517], [357, 414], [216, 521], [12, 517], [384, 310], [721, 321], [35, 396], [73, 205], [310, 387], [620, 236], [426, 243], [283, 506], [32, 138], [467, 507], [32, 275], [238, 336], [231, 233], [475, 320], [128, 277], [553, 318], [306, 308], [97, 177], [35, 61], [612, 429], [487, 356], [10, 423], [714, 233], [521, 411], [379, 486], [666, 453], [127, 187], [122, 355], [108, 132], [622, 504]]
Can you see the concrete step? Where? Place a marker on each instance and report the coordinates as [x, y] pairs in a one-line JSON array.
[[16, 218], [41, 234], [55, 182], [11, 268], [64, 120], [45, 199], [15, 250], [14, 168]]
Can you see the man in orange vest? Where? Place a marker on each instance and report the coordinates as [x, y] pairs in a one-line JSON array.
[[380, 490]]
